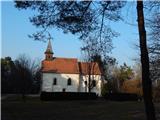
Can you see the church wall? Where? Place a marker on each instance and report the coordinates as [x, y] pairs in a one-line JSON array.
[[77, 85], [48, 79]]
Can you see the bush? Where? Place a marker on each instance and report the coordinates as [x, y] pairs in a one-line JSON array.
[[122, 97], [47, 96], [104, 90], [156, 94]]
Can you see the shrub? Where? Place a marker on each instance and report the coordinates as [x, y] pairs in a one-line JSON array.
[[46, 96]]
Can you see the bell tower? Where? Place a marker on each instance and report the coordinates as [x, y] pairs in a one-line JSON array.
[[49, 52]]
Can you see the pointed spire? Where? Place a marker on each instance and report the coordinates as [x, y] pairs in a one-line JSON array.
[[49, 52], [49, 48]]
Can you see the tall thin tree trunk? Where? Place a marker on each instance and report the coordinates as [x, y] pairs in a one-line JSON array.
[[89, 69], [146, 81], [89, 83]]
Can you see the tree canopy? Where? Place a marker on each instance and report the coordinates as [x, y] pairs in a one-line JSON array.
[[21, 75], [78, 17]]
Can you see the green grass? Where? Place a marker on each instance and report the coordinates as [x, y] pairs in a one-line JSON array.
[[34, 109]]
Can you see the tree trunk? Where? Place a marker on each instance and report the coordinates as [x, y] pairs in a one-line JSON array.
[[146, 81], [89, 76], [89, 83]]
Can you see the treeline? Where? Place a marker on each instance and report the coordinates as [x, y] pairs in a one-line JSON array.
[[127, 79], [20, 76], [118, 76]]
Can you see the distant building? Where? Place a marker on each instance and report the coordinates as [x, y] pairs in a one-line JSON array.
[[68, 74]]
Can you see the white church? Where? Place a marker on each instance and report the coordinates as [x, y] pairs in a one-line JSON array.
[[69, 74]]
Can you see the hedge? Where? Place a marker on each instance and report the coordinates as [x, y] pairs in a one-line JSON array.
[[49, 96], [122, 97]]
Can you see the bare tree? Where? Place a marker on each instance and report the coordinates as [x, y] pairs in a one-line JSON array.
[[90, 75], [91, 66], [153, 23], [25, 69], [95, 51]]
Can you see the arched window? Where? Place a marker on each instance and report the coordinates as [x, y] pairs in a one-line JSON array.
[[69, 81], [85, 82], [55, 81], [94, 83]]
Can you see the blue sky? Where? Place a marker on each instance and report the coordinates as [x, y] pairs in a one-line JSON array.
[[16, 27]]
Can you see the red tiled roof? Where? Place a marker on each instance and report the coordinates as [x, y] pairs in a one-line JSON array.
[[69, 66], [89, 67], [60, 65]]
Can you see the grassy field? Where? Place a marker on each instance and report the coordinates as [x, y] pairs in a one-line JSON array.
[[34, 109]]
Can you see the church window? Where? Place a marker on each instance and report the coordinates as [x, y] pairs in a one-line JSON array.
[[85, 82], [94, 83], [69, 81], [55, 81]]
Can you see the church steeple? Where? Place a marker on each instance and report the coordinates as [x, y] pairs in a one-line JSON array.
[[49, 52]]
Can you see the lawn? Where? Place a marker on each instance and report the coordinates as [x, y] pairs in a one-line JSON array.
[[34, 109]]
